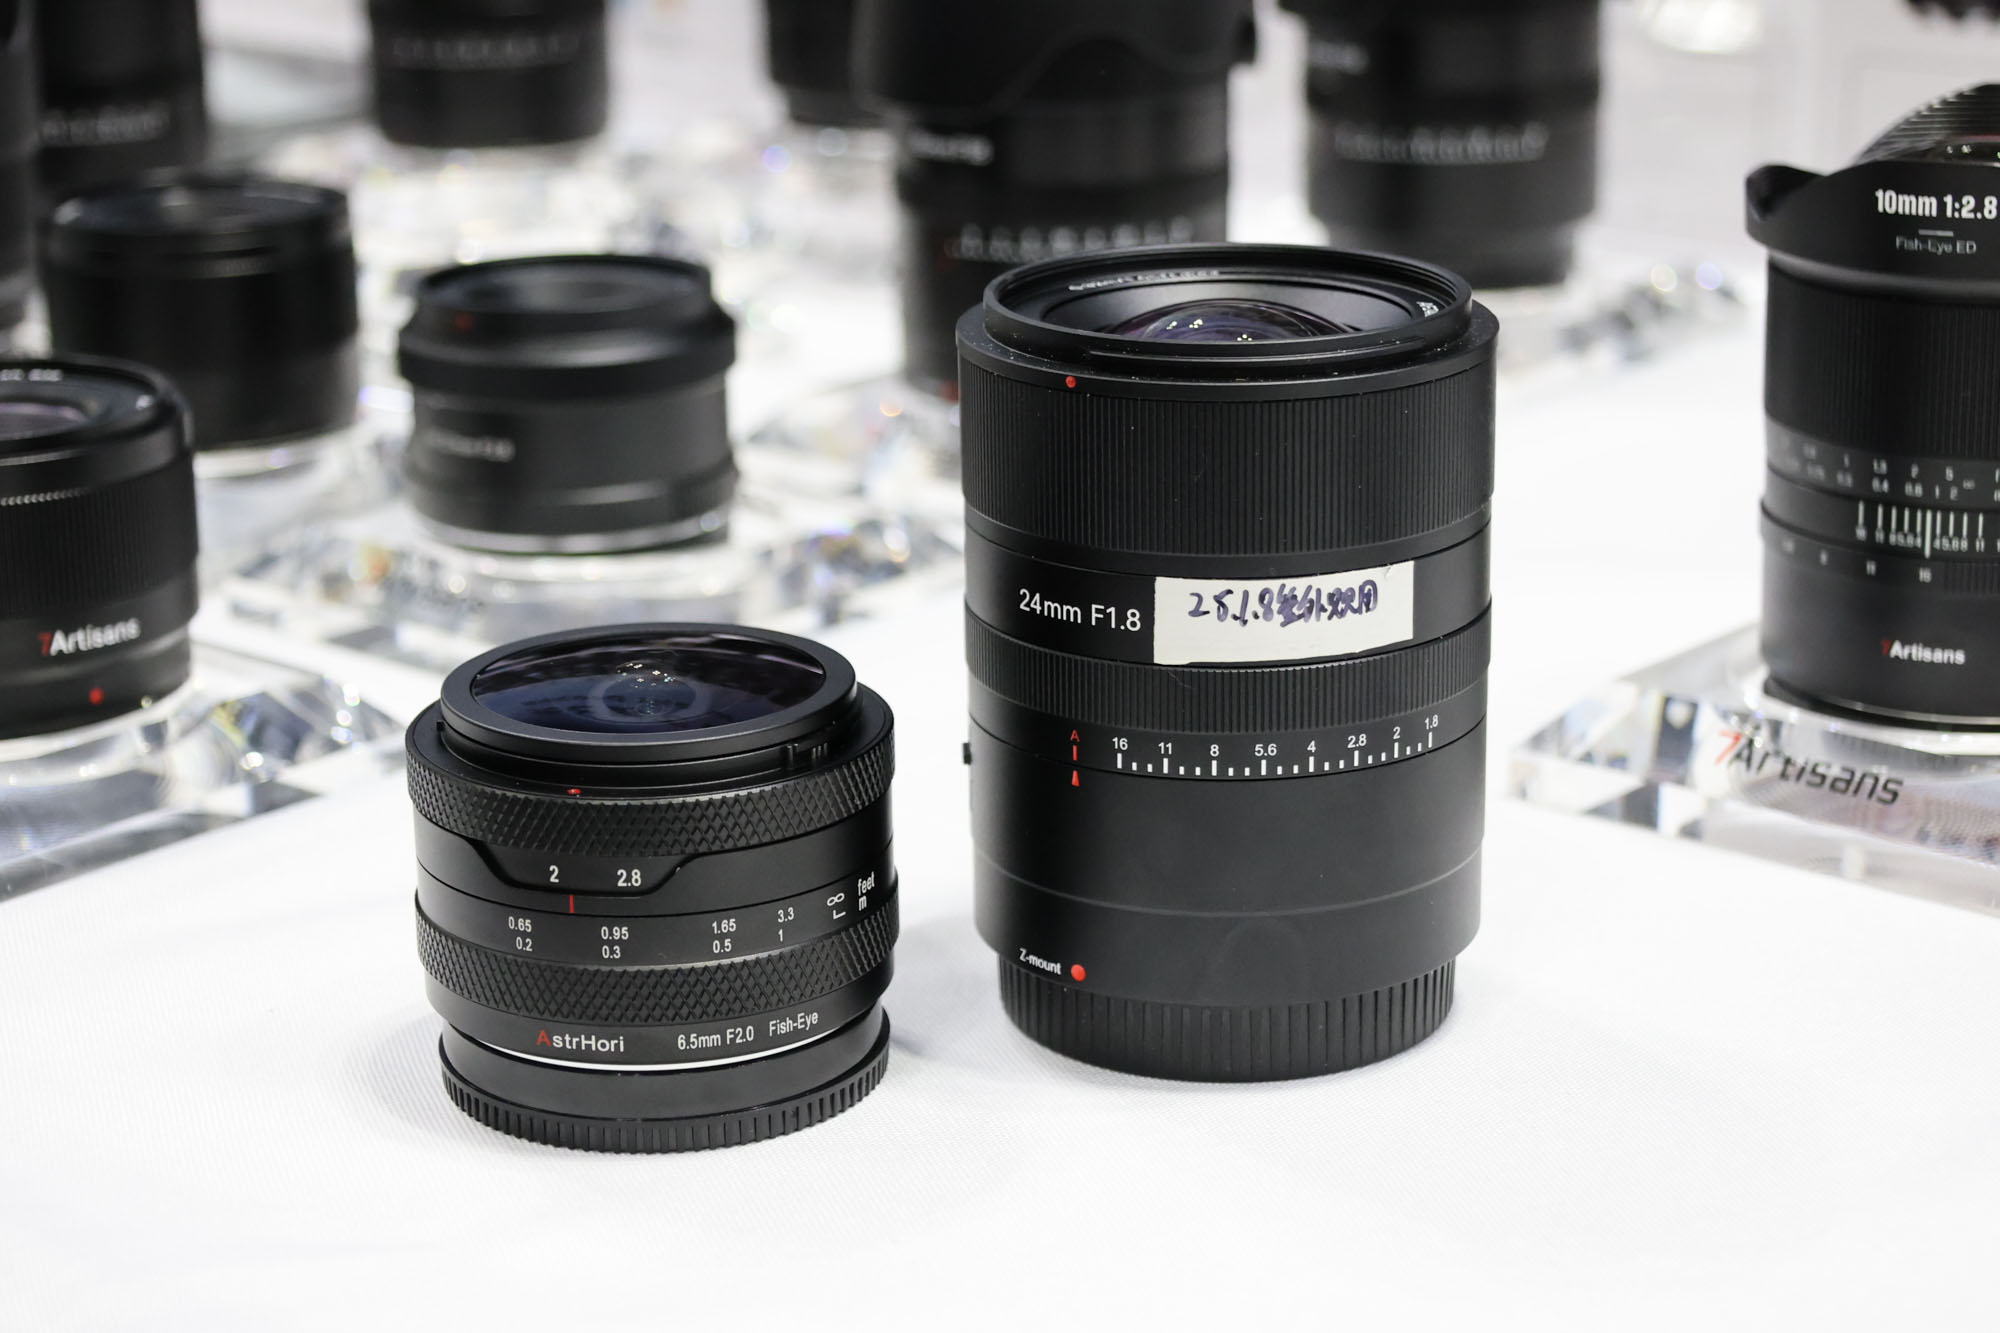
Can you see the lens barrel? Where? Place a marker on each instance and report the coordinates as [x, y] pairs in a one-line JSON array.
[[1882, 499], [1227, 593], [489, 73], [570, 404], [656, 901], [97, 488], [808, 46], [20, 137], [1460, 131], [1045, 128], [240, 287], [122, 90]]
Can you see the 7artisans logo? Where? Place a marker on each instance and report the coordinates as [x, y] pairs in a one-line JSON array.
[[1758, 758], [1898, 651], [88, 638]]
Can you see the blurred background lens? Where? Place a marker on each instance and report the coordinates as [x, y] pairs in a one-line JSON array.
[[1047, 128], [19, 138], [97, 489], [808, 49], [489, 73], [122, 90], [1463, 132], [570, 404]]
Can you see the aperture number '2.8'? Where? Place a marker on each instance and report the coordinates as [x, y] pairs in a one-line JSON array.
[[1286, 605]]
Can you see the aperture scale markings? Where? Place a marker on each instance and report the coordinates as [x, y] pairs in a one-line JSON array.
[[1287, 755]]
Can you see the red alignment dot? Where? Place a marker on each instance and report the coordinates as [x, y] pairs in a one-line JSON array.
[[1069, 381], [97, 694], [576, 791], [1076, 971]]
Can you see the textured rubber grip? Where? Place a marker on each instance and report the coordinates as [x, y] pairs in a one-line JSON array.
[[1888, 374], [1175, 476], [657, 996], [1209, 1044], [68, 550], [656, 825], [1310, 696]]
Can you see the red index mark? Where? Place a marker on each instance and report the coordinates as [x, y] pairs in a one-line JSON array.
[[572, 904], [1069, 381], [1076, 779], [1076, 971], [96, 694], [576, 791]]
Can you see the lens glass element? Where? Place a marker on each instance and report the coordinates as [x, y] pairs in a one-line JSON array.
[[649, 687], [1227, 321], [28, 420]]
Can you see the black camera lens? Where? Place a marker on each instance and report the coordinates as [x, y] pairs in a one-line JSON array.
[[570, 405], [19, 138], [98, 542], [656, 901], [489, 73], [122, 90], [241, 288], [809, 47], [1460, 131], [1042, 129], [1882, 501], [1228, 631]]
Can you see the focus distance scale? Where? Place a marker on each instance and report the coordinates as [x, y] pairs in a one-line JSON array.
[[656, 899], [1227, 516]]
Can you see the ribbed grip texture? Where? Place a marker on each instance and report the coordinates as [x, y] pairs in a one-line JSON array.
[[1890, 375], [662, 825], [1168, 476], [1969, 114], [657, 996], [1197, 1042], [690, 1134], [1224, 700], [70, 550]]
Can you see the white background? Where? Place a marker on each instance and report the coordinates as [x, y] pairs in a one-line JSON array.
[[1679, 1090]]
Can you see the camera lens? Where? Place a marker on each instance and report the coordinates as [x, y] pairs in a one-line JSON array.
[[122, 90], [1882, 500], [489, 73], [570, 405], [809, 46], [1228, 636], [19, 138], [97, 485], [1044, 129], [239, 287], [1460, 131], [656, 902]]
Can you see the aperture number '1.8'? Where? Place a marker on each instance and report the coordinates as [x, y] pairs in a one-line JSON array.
[[1287, 605]]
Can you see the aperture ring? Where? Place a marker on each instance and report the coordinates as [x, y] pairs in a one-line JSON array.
[[1901, 569], [1278, 699], [654, 825], [657, 996], [1881, 475], [1182, 475]]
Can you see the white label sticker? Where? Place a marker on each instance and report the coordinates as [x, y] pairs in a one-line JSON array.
[[1290, 619]]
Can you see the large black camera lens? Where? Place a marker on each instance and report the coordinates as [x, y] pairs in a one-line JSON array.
[[122, 90], [656, 900], [19, 138], [241, 288], [97, 538], [570, 405], [1882, 504], [809, 46], [489, 73], [1045, 128], [1460, 131], [1228, 637]]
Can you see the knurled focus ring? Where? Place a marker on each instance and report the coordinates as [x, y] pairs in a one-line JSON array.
[[655, 825], [657, 996], [1307, 697]]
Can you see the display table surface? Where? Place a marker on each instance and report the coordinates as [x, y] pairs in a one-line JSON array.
[[1679, 1090]]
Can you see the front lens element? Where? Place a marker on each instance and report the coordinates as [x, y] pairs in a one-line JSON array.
[[650, 950], [28, 420], [651, 687], [1227, 321], [1228, 637]]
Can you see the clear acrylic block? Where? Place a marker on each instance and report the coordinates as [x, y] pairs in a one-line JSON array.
[[243, 736], [1696, 747]]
